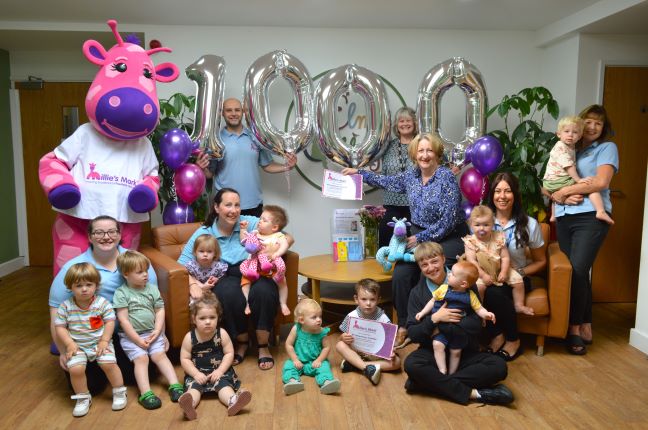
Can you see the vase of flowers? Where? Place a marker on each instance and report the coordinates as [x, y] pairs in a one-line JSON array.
[[370, 217]]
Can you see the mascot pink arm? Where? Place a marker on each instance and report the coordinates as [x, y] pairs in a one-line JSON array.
[[108, 167]]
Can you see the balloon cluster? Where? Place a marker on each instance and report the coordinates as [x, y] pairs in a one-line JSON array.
[[189, 180], [485, 154]]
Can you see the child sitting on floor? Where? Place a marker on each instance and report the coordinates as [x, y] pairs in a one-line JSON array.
[[308, 347], [140, 311], [367, 294]]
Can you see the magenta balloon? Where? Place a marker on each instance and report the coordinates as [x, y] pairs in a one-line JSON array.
[[189, 182], [473, 185], [177, 213], [175, 147], [486, 154]]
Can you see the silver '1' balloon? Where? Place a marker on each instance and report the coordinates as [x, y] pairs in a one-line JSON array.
[[255, 93], [438, 80], [209, 75], [370, 87]]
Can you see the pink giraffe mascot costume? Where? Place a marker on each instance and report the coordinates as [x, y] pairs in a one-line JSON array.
[[108, 167]]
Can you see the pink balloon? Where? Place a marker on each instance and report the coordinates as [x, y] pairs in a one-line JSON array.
[[473, 185], [189, 182]]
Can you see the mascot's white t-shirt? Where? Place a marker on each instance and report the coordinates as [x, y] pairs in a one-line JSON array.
[[106, 171]]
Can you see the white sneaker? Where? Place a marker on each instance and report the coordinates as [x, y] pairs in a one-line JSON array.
[[83, 402], [119, 398]]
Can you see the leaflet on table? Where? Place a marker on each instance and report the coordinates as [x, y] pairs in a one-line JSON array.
[[338, 186], [373, 337], [346, 235]]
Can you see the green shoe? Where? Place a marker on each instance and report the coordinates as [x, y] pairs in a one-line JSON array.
[[175, 391], [149, 400]]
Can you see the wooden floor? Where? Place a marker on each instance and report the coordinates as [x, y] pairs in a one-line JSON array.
[[608, 388]]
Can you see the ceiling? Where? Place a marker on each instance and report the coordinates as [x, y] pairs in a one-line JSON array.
[[37, 25]]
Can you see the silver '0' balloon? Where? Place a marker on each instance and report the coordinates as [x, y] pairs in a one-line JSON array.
[[209, 75], [438, 80], [255, 93], [370, 87]]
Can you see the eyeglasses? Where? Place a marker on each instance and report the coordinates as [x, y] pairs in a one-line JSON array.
[[98, 234]]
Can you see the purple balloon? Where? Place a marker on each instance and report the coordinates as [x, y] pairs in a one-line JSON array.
[[473, 185], [486, 154], [468, 154], [189, 181], [175, 147], [177, 213], [467, 207]]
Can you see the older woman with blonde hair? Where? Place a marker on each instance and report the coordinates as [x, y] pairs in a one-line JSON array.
[[434, 199], [396, 160]]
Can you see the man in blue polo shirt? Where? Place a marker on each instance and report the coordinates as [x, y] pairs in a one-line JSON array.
[[238, 167]]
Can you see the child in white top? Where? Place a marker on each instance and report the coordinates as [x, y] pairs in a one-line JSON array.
[[367, 294], [84, 324], [457, 294], [561, 166], [206, 268], [272, 221], [140, 310], [487, 249], [206, 356]]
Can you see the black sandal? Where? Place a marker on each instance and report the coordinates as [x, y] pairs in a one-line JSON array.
[[508, 357], [238, 358], [575, 345], [263, 360]]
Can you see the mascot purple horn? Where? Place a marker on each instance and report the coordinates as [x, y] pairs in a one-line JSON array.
[[108, 167]]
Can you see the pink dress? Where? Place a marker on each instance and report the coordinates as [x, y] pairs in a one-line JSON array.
[[488, 257]]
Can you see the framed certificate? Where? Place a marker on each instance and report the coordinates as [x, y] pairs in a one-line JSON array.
[[373, 337]]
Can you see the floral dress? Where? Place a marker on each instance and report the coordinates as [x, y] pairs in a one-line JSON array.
[[489, 257]]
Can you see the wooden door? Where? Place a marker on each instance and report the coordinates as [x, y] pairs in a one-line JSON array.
[[615, 274], [42, 118]]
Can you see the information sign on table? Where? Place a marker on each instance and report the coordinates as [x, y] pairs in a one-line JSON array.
[[373, 337]]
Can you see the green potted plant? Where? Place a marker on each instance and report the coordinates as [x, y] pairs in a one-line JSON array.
[[176, 112], [525, 143]]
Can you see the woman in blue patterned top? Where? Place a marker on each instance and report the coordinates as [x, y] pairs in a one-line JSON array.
[[394, 161], [434, 198], [580, 233]]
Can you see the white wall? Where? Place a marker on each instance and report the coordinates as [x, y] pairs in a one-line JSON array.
[[559, 69], [639, 334]]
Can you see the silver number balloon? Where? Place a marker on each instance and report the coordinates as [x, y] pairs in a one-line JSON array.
[[209, 75], [255, 92], [370, 87], [438, 80]]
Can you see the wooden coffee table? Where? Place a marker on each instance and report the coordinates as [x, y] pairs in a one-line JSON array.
[[322, 268]]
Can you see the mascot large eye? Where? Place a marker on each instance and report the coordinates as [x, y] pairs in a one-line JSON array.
[[120, 67], [147, 73]]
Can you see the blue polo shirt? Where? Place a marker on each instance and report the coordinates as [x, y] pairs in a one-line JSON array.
[[110, 279], [588, 161], [232, 252], [238, 169]]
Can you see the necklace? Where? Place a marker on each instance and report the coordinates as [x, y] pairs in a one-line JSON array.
[[401, 161]]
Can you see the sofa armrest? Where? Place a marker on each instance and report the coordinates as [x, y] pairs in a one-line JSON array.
[[173, 283], [559, 273]]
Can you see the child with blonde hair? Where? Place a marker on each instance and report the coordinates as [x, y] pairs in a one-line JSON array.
[[308, 347], [272, 221], [206, 268], [140, 310], [487, 249], [206, 356], [457, 295], [85, 324], [561, 166], [367, 295]]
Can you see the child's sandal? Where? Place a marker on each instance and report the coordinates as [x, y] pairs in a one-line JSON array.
[[175, 391], [238, 402], [149, 400]]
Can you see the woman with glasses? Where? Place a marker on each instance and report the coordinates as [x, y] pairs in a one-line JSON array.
[[104, 235]]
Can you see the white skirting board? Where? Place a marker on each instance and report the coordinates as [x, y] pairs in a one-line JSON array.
[[639, 340], [11, 266]]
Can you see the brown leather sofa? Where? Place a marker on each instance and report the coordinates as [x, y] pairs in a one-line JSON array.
[[173, 279], [549, 297]]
